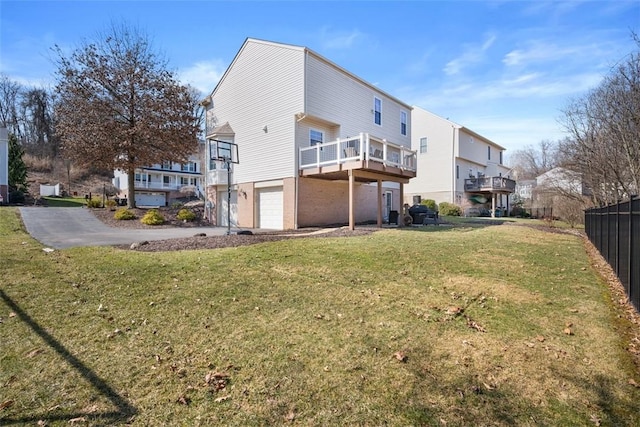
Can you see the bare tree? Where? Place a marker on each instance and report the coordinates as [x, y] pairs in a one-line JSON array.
[[533, 161], [604, 129], [121, 108], [37, 123], [9, 99]]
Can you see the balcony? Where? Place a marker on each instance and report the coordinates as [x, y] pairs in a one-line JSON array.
[[373, 158], [490, 184]]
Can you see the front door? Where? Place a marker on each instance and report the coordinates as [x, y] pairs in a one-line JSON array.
[[388, 205]]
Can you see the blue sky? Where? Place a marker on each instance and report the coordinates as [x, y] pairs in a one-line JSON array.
[[504, 69]]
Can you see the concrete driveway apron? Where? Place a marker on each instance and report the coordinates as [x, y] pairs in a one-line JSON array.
[[61, 228]]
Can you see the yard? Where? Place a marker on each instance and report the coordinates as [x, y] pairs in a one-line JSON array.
[[452, 326]]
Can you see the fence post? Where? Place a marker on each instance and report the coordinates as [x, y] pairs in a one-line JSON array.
[[632, 256], [617, 242]]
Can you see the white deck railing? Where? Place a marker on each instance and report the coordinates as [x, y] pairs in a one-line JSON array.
[[357, 148]]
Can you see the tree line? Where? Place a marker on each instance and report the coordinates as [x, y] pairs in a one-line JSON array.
[[602, 143]]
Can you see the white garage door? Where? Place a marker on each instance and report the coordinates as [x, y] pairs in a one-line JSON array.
[[150, 199], [270, 208], [223, 211]]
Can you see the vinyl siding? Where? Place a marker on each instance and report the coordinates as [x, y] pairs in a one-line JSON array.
[[338, 97], [262, 87]]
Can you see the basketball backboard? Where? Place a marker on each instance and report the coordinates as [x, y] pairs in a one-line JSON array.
[[223, 151]]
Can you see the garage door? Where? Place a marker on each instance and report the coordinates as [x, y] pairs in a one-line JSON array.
[[270, 210], [223, 211], [150, 199]]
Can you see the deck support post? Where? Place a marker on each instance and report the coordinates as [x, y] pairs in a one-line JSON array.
[[379, 204], [352, 181]]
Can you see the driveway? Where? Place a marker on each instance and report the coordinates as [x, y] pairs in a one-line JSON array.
[[61, 228]]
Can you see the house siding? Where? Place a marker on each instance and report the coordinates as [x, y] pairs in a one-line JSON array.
[[340, 98], [263, 87]]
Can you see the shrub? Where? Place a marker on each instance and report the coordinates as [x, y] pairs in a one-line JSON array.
[[449, 209], [16, 196], [152, 217], [176, 205], [431, 204], [94, 203], [111, 204], [186, 215], [124, 214]]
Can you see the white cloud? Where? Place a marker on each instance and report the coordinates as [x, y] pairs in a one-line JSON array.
[[472, 54], [332, 39], [203, 75]]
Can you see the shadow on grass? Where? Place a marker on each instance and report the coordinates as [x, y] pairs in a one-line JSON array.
[[123, 409]]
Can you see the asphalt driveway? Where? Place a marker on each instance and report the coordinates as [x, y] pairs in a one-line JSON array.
[[61, 228]]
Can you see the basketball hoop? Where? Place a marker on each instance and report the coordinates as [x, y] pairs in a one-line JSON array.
[[227, 152]]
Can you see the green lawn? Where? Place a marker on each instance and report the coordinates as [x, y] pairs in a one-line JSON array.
[[65, 202], [457, 326]]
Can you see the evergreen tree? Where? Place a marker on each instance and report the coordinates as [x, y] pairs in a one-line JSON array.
[[17, 168]]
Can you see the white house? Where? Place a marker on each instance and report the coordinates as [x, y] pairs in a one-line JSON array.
[[560, 180], [4, 166], [317, 145], [456, 165], [162, 184]]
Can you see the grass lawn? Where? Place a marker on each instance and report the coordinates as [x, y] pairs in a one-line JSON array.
[[65, 202], [457, 326]]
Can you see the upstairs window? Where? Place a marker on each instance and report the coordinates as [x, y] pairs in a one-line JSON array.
[[403, 123], [189, 167], [315, 137], [166, 165], [377, 111], [423, 145], [489, 152], [501, 157]]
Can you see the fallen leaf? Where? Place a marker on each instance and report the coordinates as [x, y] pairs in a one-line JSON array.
[[42, 423], [633, 383], [290, 416], [6, 404], [540, 338], [12, 314], [34, 353], [568, 324], [78, 420], [568, 331], [454, 310], [221, 399], [184, 400], [474, 325], [400, 355], [488, 386]]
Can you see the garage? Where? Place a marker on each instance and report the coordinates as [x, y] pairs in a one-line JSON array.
[[270, 208], [151, 199], [223, 211]]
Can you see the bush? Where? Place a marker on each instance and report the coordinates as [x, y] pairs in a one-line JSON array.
[[176, 205], [431, 204], [16, 197], [124, 214], [94, 203], [186, 215], [111, 204], [449, 209], [152, 217]]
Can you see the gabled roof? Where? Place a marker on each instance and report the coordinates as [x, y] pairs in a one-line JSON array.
[[224, 129], [309, 52]]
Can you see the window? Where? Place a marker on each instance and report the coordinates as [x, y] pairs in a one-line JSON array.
[[457, 171], [185, 181], [403, 123], [377, 111], [189, 167], [142, 177], [315, 137], [166, 180], [501, 157], [166, 165], [489, 152], [423, 144]]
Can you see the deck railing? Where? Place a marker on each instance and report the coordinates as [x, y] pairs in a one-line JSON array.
[[357, 148], [490, 183]]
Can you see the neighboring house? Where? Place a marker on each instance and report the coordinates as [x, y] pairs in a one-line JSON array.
[[457, 165], [317, 145], [560, 180], [162, 184], [4, 166]]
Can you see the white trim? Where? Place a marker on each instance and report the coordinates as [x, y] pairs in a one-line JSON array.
[[266, 184]]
